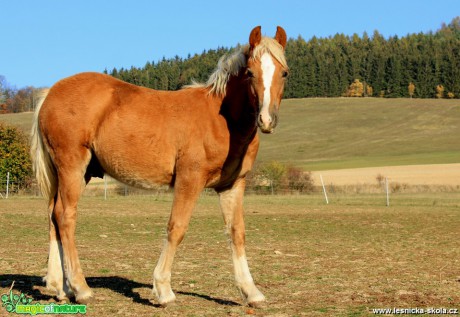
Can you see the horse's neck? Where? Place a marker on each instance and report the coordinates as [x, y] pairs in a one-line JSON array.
[[238, 109]]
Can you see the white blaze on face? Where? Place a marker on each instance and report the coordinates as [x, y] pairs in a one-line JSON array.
[[268, 69]]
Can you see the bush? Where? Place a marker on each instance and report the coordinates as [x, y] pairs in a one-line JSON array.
[[14, 157], [274, 177], [298, 180]]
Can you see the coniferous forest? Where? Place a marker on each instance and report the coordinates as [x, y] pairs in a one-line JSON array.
[[423, 65]]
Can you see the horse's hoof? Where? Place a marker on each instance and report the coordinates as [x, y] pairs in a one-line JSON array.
[[84, 298], [65, 297], [167, 301], [167, 304], [256, 299], [63, 300], [257, 304]]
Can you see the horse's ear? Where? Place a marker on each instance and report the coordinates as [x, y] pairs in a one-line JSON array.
[[281, 36], [255, 37]]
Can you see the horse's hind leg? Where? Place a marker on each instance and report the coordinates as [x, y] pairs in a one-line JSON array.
[[231, 203], [71, 172], [55, 276]]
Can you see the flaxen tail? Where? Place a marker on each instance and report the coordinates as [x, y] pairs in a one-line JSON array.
[[43, 167]]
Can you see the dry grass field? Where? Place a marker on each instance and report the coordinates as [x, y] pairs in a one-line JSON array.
[[310, 259]]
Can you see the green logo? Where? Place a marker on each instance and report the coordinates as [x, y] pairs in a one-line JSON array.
[[21, 304]]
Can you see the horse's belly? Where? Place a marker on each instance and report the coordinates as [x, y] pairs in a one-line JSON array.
[[143, 182], [142, 167], [142, 176], [138, 175]]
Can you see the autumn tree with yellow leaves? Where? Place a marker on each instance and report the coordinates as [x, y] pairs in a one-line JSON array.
[[356, 89], [411, 89]]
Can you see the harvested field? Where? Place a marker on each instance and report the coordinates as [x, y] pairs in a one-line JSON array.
[[434, 174]]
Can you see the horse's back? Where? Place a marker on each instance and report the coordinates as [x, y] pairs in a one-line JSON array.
[[136, 134]]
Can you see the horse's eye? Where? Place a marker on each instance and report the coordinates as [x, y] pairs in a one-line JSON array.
[[285, 74], [249, 73]]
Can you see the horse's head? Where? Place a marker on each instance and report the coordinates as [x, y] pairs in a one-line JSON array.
[[266, 72]]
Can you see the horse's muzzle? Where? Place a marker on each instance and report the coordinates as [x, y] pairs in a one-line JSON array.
[[267, 124]]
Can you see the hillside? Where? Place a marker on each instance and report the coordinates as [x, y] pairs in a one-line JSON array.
[[333, 133], [337, 133]]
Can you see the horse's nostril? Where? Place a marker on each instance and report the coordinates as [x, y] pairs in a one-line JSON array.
[[268, 119]]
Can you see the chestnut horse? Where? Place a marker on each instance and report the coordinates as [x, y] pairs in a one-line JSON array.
[[204, 135]]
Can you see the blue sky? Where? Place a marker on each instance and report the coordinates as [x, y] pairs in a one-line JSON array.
[[44, 41]]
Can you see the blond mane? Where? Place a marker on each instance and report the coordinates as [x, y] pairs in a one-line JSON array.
[[231, 65]]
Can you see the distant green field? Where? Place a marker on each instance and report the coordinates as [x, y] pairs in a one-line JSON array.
[[334, 133]]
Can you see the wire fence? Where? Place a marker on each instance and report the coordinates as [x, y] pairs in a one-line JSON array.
[[110, 188], [10, 186]]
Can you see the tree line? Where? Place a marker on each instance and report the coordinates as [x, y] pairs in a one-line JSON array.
[[14, 100], [325, 67], [423, 65]]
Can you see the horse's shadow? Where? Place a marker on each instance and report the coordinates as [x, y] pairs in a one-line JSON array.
[[25, 284]]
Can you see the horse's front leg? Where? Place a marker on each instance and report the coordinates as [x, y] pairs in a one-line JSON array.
[[231, 204], [186, 192]]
